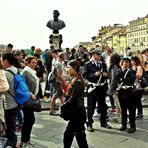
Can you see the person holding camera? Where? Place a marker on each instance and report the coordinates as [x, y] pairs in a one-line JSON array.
[[82, 56], [126, 93], [95, 72]]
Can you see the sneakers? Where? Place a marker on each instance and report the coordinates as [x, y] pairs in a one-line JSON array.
[[53, 113], [45, 99], [113, 110], [48, 100]]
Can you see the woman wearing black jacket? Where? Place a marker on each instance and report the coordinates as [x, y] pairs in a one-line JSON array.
[[75, 104]]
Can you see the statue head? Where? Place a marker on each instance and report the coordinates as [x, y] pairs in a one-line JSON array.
[[55, 24], [56, 14]]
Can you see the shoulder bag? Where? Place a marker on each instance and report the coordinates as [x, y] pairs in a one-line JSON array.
[[66, 114], [34, 104]]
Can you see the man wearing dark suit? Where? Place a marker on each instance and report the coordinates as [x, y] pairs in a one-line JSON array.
[[95, 73]]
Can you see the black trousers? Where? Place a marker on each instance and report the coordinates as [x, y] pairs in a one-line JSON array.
[[76, 129], [98, 95], [29, 120], [128, 103], [139, 103], [10, 119]]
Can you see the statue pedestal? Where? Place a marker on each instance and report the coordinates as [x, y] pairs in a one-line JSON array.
[[56, 40]]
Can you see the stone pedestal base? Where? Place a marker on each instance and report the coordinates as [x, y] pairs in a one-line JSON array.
[[56, 40]]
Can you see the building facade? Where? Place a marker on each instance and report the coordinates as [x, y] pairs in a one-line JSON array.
[[112, 36], [137, 33]]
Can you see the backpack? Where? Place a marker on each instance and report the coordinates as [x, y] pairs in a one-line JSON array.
[[22, 94]]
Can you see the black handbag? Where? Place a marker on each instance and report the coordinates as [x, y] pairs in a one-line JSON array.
[[144, 80], [66, 113], [34, 105]]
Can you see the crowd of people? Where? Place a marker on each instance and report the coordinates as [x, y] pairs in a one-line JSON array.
[[77, 73]]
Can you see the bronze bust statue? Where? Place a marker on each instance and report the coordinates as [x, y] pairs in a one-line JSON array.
[[55, 24]]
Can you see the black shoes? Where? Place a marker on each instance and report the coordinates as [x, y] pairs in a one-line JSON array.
[[106, 126], [90, 128], [123, 128], [131, 130]]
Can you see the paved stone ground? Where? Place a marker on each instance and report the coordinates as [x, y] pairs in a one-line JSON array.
[[48, 133]]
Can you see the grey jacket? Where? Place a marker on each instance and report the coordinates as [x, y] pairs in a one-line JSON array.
[[30, 80], [9, 102], [112, 81]]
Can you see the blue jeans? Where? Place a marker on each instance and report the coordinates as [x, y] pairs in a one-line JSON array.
[[10, 119]]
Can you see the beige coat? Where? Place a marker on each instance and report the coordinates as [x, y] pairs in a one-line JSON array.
[[4, 86]]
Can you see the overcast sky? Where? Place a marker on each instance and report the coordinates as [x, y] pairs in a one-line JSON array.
[[23, 22]]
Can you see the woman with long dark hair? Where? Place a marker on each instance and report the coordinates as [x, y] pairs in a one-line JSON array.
[[137, 66], [75, 104], [114, 65]]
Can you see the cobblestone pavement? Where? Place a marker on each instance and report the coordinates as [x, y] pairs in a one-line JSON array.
[[48, 133]]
